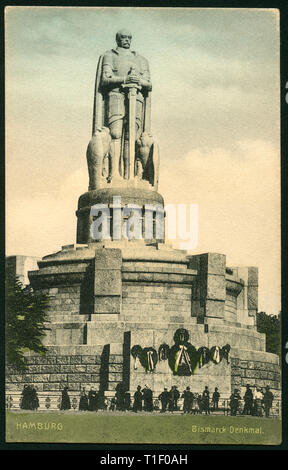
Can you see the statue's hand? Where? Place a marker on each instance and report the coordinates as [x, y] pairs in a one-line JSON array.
[[132, 78]]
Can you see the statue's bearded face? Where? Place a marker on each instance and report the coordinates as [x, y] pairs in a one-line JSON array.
[[123, 39]]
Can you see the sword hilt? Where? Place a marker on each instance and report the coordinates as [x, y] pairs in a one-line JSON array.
[[131, 86]]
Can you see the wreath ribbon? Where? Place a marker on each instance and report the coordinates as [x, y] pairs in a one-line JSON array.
[[150, 361], [216, 355], [182, 352], [136, 362], [203, 356]]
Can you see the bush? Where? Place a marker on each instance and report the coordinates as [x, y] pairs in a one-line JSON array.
[[26, 315]]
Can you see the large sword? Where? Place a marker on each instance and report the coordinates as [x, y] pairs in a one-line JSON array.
[[132, 93]]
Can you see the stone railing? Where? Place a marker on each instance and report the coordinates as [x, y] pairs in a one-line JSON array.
[[52, 402]]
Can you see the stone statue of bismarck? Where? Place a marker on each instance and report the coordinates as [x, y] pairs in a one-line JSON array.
[[122, 147]]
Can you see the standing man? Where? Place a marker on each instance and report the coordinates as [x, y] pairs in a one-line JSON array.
[[206, 400], [215, 399], [119, 395], [65, 400], [83, 402], [248, 401], [92, 400], [174, 396], [147, 398], [188, 400], [25, 403], [127, 401], [257, 405], [268, 398], [234, 402], [138, 397], [164, 398], [34, 398]]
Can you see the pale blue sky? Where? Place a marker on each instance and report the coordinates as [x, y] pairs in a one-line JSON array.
[[215, 114]]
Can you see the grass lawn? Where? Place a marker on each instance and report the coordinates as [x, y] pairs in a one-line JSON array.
[[105, 427]]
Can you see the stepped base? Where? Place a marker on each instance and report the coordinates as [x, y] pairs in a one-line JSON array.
[[107, 298]]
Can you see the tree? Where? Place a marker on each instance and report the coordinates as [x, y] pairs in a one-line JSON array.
[[26, 314], [271, 326]]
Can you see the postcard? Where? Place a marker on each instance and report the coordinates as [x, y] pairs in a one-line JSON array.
[[143, 278]]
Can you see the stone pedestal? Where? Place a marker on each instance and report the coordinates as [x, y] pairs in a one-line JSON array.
[[112, 201], [108, 297]]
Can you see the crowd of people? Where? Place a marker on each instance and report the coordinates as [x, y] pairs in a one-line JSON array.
[[255, 401]]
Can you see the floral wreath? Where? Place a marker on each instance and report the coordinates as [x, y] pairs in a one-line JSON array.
[[149, 359]]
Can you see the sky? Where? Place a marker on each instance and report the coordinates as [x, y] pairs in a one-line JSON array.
[[215, 115]]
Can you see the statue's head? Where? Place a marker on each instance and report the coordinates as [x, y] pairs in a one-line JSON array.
[[123, 38]]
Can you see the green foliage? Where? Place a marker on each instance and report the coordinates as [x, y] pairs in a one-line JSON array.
[[26, 313], [271, 326]]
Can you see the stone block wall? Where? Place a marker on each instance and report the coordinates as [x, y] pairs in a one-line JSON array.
[[209, 292], [66, 325], [254, 373], [87, 281], [260, 371], [52, 373], [159, 300], [74, 367], [64, 300], [231, 308], [107, 281]]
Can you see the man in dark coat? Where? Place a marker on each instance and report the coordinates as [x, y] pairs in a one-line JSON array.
[[248, 401], [26, 398], [101, 401], [138, 397], [215, 399], [127, 401], [119, 395], [65, 400], [234, 402], [34, 399], [188, 400], [92, 400], [83, 402], [164, 398], [206, 400], [268, 398], [174, 396], [147, 398]]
